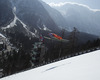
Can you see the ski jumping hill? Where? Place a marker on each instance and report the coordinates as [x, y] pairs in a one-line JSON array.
[[83, 67]]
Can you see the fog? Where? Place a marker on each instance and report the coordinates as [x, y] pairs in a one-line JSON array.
[[91, 3]]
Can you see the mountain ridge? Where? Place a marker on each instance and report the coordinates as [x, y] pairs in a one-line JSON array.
[[80, 16]]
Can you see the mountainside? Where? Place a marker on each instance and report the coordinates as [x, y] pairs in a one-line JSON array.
[[80, 16], [33, 14], [28, 18], [56, 15], [31, 18]]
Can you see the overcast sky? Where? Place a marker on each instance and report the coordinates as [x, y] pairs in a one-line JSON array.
[[95, 4]]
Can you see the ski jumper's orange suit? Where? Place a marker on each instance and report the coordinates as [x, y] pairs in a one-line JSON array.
[[56, 36]]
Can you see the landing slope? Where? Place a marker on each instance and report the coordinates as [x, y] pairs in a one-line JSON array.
[[83, 67]]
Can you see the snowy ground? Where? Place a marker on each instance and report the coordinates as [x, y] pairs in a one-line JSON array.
[[83, 67]]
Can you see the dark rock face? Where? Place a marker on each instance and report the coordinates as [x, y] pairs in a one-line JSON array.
[[6, 14]]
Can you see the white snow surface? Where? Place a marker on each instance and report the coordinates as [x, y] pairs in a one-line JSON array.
[[45, 28], [2, 35], [83, 67], [12, 24]]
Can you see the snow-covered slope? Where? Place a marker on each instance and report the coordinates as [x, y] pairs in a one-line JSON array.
[[83, 67], [2, 35]]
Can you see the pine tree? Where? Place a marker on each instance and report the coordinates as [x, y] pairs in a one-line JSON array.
[[73, 39], [38, 53], [61, 44]]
